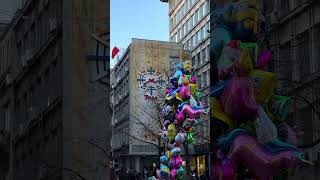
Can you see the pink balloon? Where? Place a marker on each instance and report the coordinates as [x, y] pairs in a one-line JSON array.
[[193, 80], [185, 92], [173, 174], [248, 151], [193, 114], [178, 162], [264, 58], [168, 91], [179, 118], [238, 99]]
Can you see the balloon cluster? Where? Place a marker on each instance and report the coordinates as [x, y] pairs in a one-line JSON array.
[[244, 103], [182, 107]]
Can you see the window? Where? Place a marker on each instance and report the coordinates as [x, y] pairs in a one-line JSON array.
[[204, 54], [193, 20], [198, 59], [196, 39], [303, 55], [196, 16]]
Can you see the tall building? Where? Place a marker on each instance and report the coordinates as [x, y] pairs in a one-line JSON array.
[[53, 91], [189, 25], [138, 81], [293, 33]]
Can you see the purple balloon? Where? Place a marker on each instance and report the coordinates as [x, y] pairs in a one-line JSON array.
[[172, 163], [264, 58]]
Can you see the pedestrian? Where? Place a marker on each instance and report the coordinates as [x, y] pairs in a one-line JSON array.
[[145, 173]]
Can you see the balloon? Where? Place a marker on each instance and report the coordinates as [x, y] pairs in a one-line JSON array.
[[180, 138], [193, 103], [193, 88], [265, 129], [177, 74], [218, 113], [164, 159], [169, 154], [263, 59], [185, 92], [220, 37], [190, 137], [245, 64], [179, 118], [247, 151], [187, 109], [166, 110], [193, 80], [173, 174], [164, 171], [171, 132], [280, 107], [166, 123], [229, 57], [180, 173], [264, 84], [175, 152], [164, 136], [172, 163], [178, 160], [238, 99]]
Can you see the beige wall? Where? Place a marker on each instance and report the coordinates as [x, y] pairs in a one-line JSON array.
[[145, 54]]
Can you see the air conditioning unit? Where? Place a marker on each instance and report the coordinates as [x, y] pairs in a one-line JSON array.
[[126, 69], [118, 79], [53, 24]]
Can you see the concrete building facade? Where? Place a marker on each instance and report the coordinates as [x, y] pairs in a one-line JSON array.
[[53, 98], [138, 81], [293, 33]]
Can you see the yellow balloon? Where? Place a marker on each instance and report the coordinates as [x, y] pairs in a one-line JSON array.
[[217, 112], [169, 154], [171, 132], [193, 88]]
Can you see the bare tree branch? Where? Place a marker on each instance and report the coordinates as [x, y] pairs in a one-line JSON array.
[[140, 139]]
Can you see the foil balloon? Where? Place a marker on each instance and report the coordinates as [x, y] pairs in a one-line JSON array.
[[265, 129], [164, 172], [193, 88], [248, 151], [224, 170], [238, 99], [177, 74], [171, 132], [175, 152], [185, 92], [180, 138], [263, 59], [193, 80], [179, 161], [179, 117], [173, 174], [180, 173], [164, 159], [172, 163], [190, 137], [187, 109], [219, 114], [264, 84]]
